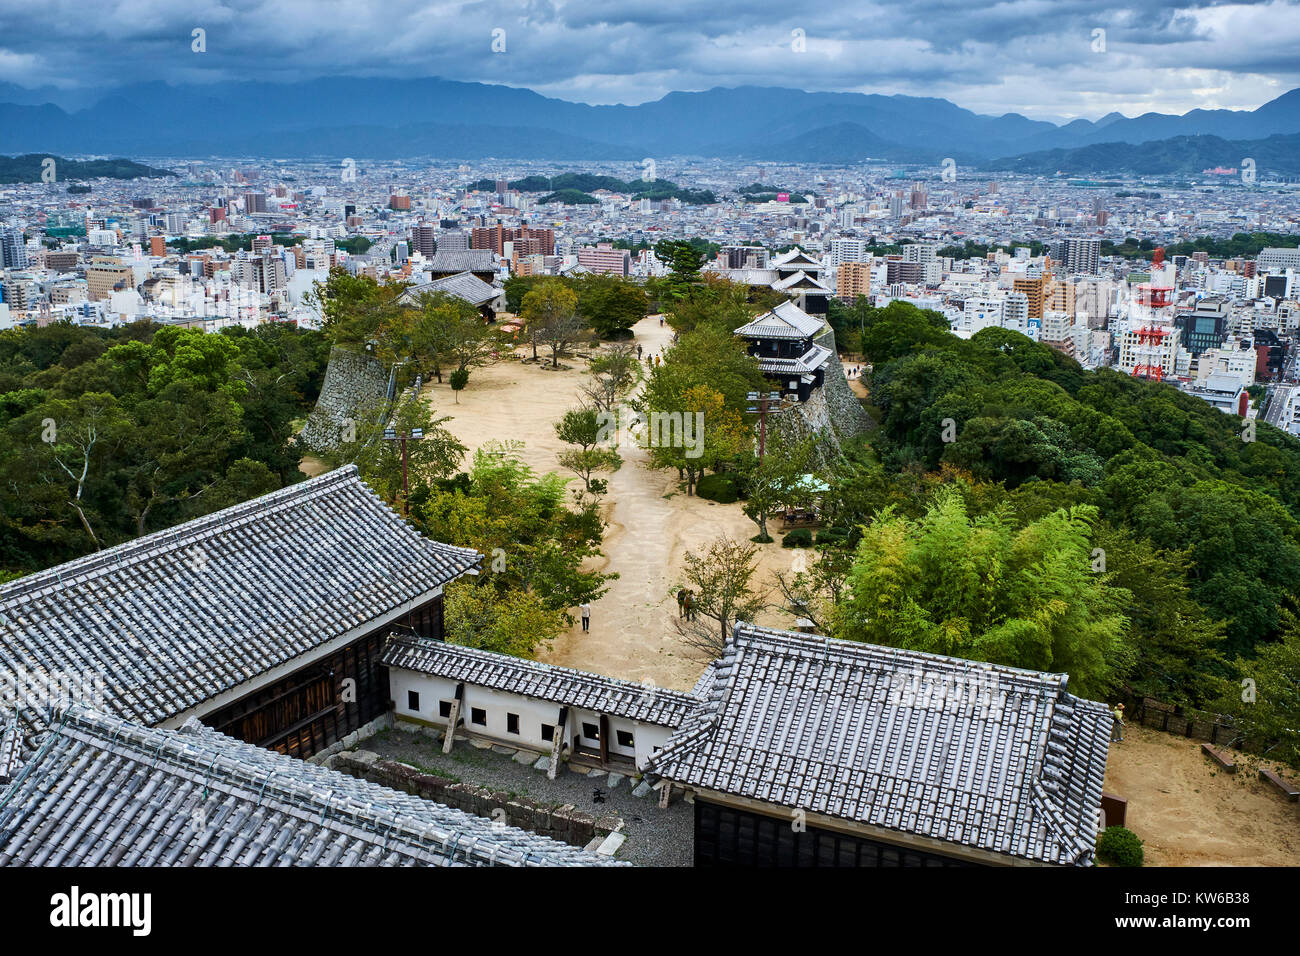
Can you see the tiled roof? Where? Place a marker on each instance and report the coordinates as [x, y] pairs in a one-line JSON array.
[[464, 260], [562, 685], [793, 258], [747, 276], [994, 758], [802, 282], [100, 791], [785, 321], [172, 619], [805, 364], [463, 285]]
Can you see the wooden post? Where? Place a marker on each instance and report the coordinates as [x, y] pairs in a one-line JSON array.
[[557, 743], [453, 719], [604, 740]]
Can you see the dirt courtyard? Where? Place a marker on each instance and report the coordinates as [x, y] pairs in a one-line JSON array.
[[651, 523], [1190, 812]]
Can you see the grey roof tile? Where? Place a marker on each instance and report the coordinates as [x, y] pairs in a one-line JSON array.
[[101, 791], [562, 685], [994, 758], [175, 618]]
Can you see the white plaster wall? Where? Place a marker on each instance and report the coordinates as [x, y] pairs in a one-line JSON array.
[[532, 714]]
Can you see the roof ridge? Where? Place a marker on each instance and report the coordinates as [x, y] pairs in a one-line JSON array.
[[528, 663], [760, 636], [169, 537]]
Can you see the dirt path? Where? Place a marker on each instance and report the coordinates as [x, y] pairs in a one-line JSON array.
[[1190, 813], [651, 524]]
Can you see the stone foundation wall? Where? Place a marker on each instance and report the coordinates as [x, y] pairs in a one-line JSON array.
[[833, 413], [565, 823], [352, 380]]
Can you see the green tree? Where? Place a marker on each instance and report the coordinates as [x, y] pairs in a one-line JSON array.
[[610, 304], [511, 622], [1267, 703], [550, 315], [584, 428], [979, 589], [778, 479]]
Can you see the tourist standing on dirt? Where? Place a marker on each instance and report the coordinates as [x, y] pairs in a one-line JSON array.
[[586, 617], [1117, 728]]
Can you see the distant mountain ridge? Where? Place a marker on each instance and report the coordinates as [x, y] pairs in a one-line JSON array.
[[334, 117], [1277, 155]]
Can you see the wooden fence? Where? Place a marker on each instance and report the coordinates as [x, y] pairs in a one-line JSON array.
[[1182, 721]]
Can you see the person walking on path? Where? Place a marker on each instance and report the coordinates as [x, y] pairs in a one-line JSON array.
[[1117, 727], [585, 608], [638, 353]]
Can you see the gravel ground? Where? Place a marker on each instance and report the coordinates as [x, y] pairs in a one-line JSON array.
[[655, 837]]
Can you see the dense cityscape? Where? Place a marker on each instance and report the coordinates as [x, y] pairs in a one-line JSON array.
[[745, 453], [245, 242]]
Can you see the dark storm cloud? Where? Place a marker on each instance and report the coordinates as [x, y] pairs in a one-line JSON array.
[[1038, 57]]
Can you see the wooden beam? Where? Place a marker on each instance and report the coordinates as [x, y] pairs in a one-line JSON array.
[[557, 743], [604, 740], [453, 719]]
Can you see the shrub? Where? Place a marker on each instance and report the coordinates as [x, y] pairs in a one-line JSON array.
[[1119, 846], [798, 538], [719, 488], [832, 536]]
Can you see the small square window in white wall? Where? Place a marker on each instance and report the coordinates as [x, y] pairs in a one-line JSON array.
[[548, 732], [444, 708], [625, 739], [412, 700], [591, 731], [478, 715], [512, 723]]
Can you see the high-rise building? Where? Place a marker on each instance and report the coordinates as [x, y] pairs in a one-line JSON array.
[[13, 249], [254, 203], [1270, 260], [424, 240], [1035, 291], [527, 241], [848, 250], [743, 257], [852, 280], [1079, 256], [920, 252], [453, 240], [158, 246]]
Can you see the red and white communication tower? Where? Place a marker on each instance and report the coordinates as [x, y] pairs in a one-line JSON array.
[[1152, 332]]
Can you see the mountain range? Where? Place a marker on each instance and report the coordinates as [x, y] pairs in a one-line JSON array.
[[377, 118]]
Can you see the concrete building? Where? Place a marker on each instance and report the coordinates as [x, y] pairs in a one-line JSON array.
[[605, 258], [852, 280], [107, 274]]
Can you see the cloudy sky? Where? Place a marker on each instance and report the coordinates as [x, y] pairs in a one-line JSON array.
[[1049, 59]]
